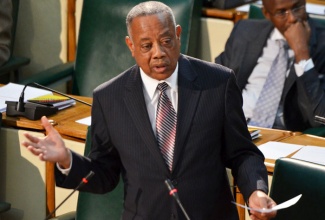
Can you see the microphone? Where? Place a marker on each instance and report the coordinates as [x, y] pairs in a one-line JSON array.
[[83, 182], [173, 192], [34, 111]]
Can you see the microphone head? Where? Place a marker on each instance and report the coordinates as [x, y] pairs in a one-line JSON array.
[[169, 184]]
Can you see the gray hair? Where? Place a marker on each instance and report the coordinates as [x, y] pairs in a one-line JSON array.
[[146, 9]]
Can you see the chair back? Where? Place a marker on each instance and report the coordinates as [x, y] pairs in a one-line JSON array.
[[293, 177], [255, 12], [15, 62], [15, 10], [101, 50], [99, 206]]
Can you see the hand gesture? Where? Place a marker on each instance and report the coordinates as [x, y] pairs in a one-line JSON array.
[[50, 148], [259, 200]]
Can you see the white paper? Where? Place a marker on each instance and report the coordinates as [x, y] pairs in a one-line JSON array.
[[12, 92], [312, 154], [315, 9], [274, 150], [283, 205], [85, 121]]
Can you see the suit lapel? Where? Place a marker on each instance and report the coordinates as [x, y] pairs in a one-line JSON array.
[[188, 97], [135, 103], [253, 49]]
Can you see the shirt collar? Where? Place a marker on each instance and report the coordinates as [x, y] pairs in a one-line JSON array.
[[276, 35], [150, 84]]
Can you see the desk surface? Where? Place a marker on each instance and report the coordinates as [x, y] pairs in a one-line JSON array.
[[64, 121]]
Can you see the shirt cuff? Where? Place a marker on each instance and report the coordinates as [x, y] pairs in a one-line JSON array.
[[65, 171], [303, 66]]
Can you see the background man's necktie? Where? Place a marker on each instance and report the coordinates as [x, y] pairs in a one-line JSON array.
[[268, 102], [166, 121]]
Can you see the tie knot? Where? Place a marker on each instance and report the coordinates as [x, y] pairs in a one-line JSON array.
[[162, 86], [283, 44]]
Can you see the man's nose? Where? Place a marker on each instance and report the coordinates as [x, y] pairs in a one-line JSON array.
[[158, 51]]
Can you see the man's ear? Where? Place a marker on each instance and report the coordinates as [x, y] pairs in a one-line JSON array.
[[129, 43], [178, 31], [266, 13]]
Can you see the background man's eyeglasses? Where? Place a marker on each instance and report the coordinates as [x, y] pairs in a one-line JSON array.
[[295, 11]]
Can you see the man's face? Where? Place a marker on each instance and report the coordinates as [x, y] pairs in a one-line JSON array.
[[283, 13], [155, 44]]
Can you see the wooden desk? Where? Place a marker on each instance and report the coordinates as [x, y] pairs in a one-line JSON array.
[[65, 123], [229, 14]]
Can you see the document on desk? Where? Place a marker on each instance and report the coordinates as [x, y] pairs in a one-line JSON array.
[[312, 154], [283, 205], [12, 91], [85, 121], [274, 150]]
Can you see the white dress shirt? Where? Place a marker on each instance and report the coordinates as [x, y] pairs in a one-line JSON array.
[[151, 93]]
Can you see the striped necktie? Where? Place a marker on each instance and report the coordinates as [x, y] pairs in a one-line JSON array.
[[166, 120], [268, 102]]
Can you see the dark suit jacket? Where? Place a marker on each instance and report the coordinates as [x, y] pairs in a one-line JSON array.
[[302, 97], [211, 134]]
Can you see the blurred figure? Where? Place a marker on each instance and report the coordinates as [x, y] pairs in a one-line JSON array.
[[5, 30], [297, 94]]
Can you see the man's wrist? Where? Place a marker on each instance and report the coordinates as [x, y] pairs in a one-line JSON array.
[[65, 169], [303, 66]]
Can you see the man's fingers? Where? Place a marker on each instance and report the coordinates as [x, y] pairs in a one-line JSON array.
[[31, 138], [47, 125]]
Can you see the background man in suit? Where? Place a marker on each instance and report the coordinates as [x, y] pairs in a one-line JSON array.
[[251, 49], [211, 132], [5, 30]]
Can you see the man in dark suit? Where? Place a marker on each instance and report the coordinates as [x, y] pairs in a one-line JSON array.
[[211, 132], [250, 51]]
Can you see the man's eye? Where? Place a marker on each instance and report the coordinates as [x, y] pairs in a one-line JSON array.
[[281, 12], [166, 42], [145, 47]]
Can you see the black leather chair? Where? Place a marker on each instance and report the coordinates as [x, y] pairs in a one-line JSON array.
[[13, 65], [101, 49], [293, 177], [108, 206]]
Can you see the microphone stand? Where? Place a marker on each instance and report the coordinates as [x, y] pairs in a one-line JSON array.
[[83, 182], [173, 192]]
